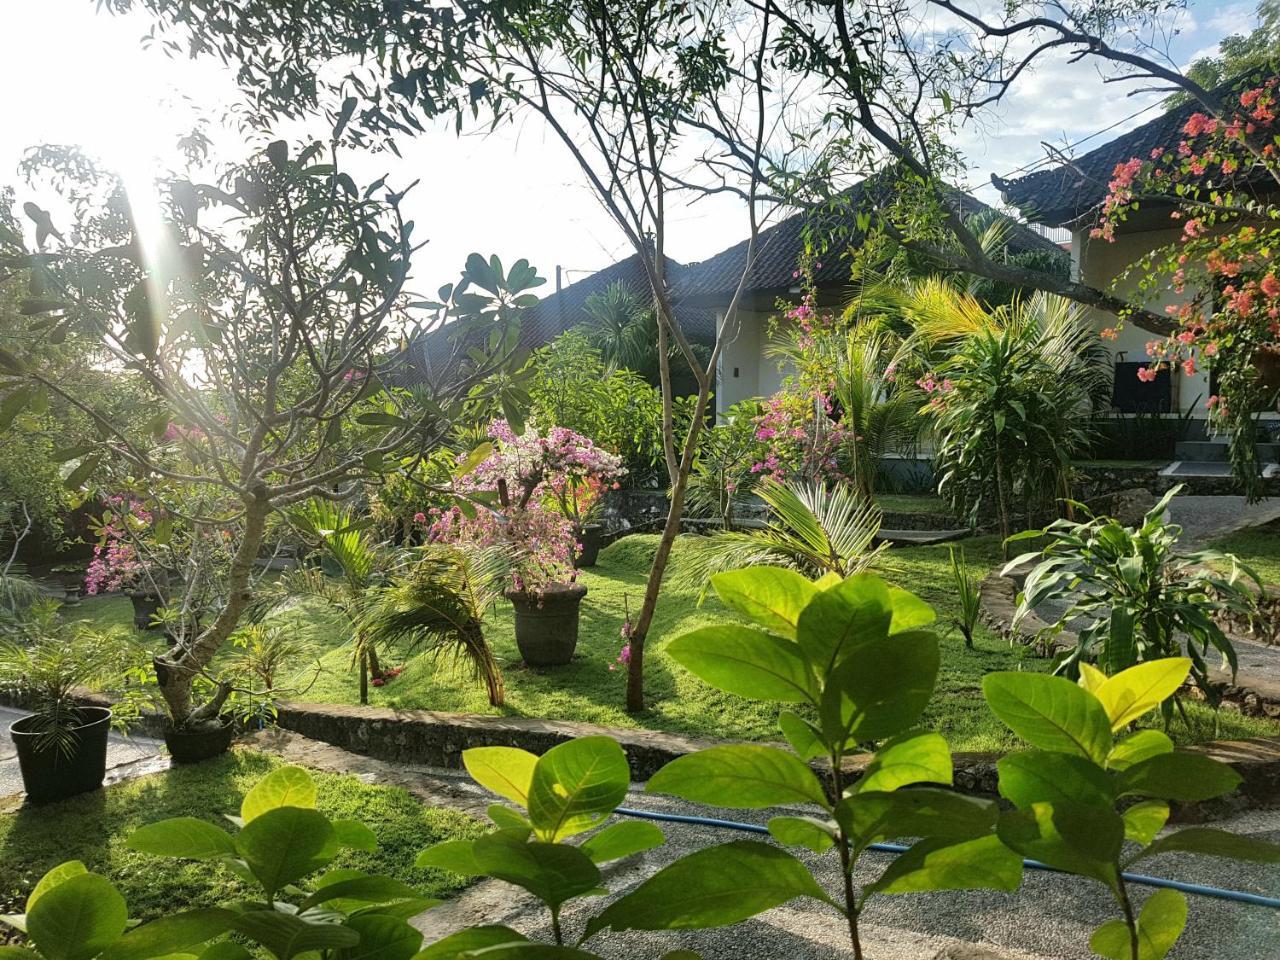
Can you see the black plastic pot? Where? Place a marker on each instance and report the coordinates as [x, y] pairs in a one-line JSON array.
[[591, 536], [547, 623], [200, 743], [50, 774], [145, 608]]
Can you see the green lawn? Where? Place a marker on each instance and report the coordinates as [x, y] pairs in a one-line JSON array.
[[911, 503], [93, 828], [1257, 546], [587, 690]]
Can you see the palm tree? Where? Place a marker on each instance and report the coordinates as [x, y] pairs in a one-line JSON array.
[[621, 328], [815, 529], [439, 605]]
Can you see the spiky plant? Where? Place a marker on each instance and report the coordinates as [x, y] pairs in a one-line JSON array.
[[814, 528], [438, 605]]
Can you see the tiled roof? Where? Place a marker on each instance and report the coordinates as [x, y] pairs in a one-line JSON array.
[[779, 247], [1062, 194]]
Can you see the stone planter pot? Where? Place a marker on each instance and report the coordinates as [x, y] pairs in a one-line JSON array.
[[50, 774], [1266, 360], [200, 743], [591, 536], [547, 623], [145, 608]]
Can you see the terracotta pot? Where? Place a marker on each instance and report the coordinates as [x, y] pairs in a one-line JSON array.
[[547, 623], [50, 774]]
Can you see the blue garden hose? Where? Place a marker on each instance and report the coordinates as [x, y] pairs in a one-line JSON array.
[[1197, 889]]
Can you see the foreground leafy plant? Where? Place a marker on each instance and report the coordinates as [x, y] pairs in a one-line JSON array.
[[570, 790], [1073, 792], [854, 654], [1136, 596]]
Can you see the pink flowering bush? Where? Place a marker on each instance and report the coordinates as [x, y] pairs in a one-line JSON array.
[[116, 563], [1223, 261], [544, 485], [799, 438]]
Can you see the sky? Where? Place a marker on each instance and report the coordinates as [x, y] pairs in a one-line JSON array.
[[73, 75]]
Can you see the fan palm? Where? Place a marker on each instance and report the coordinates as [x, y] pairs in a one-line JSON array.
[[620, 327], [814, 529], [439, 605]]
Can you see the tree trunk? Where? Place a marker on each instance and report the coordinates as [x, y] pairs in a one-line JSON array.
[[178, 667], [364, 681]]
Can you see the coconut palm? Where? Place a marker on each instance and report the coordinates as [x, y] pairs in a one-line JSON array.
[[620, 327], [816, 529], [438, 605]]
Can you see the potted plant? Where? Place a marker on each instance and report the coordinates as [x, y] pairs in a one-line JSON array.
[[62, 745], [541, 483], [122, 562]]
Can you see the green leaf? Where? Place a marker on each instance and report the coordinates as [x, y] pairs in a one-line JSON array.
[[622, 840], [14, 404], [284, 845], [910, 758], [354, 835], [77, 919], [59, 874], [225, 950], [1138, 747], [713, 887], [576, 785], [1051, 713], [83, 471], [1189, 777], [773, 597], [909, 611], [286, 936], [552, 872], [1084, 840], [507, 819], [1213, 843], [882, 690], [506, 771], [746, 662], [808, 832], [364, 888], [840, 620], [1144, 820], [459, 945], [456, 856], [870, 817], [739, 776], [184, 837], [1161, 922], [983, 863], [282, 787], [1042, 776], [381, 938], [801, 735], [1137, 691], [170, 934]]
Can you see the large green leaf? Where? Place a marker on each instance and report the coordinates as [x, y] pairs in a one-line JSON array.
[[921, 757], [507, 771], [801, 735], [170, 934], [1189, 777], [712, 887], [1138, 747], [1213, 843], [1137, 691], [381, 938], [359, 887], [576, 785], [284, 845], [746, 662], [59, 874], [354, 835], [285, 935], [771, 596], [184, 837], [1043, 776], [939, 864], [808, 832], [457, 856], [77, 919], [880, 691], [909, 611], [1160, 923], [552, 872], [1051, 713], [1084, 840], [1144, 820], [739, 776], [873, 816], [844, 618], [620, 840], [282, 787], [458, 945]]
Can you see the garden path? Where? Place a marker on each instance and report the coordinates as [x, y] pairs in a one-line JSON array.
[[126, 757], [1204, 519]]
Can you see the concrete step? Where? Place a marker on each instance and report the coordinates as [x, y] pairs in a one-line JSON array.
[[1216, 451]]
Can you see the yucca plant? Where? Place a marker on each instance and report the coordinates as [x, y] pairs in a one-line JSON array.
[[814, 528], [438, 605]]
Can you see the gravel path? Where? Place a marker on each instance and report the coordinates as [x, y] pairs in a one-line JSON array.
[[1204, 519]]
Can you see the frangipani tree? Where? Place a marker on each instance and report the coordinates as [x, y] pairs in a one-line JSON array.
[[260, 315]]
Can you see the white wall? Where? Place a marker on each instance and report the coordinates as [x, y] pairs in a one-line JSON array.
[[744, 371]]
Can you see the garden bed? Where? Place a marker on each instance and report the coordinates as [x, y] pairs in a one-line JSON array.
[[93, 828]]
